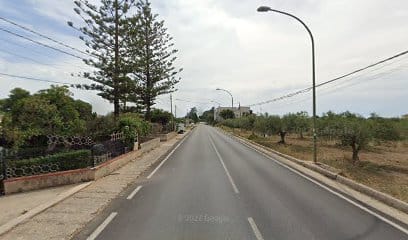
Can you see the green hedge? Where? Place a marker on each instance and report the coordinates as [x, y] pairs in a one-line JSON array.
[[65, 160]]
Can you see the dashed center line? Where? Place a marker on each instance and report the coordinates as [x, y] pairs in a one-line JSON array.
[[255, 229], [101, 227], [131, 195], [225, 167]]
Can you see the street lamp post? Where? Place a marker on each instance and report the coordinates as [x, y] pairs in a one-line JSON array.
[[267, 9], [232, 98]]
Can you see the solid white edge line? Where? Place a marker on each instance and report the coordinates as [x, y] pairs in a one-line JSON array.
[[101, 227], [225, 167], [134, 193], [395, 225], [255, 229], [167, 157]]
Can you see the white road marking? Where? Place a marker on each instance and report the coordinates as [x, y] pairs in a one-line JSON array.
[[225, 167], [395, 225], [134, 193], [168, 156], [257, 233], [101, 227]]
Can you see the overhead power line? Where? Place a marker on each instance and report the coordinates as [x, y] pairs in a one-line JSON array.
[[34, 79], [43, 54], [40, 43], [44, 36], [24, 57], [330, 81]]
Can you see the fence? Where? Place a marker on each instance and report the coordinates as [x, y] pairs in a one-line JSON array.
[[2, 171], [52, 153]]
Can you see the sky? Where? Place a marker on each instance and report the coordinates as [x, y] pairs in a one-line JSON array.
[[228, 44]]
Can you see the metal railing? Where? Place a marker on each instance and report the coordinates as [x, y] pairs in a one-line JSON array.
[[54, 155]]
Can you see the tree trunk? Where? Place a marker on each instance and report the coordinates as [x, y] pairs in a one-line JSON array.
[[301, 134], [116, 107], [116, 104], [355, 153], [148, 115], [149, 83], [282, 135]]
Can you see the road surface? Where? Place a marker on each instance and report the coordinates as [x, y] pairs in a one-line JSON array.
[[213, 187]]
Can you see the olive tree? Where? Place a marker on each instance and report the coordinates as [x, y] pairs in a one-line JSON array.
[[354, 131]]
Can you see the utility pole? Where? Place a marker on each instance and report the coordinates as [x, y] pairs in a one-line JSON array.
[[175, 117], [171, 110]]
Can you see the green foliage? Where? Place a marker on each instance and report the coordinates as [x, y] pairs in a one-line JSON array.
[[347, 128], [385, 129], [402, 127], [50, 111], [208, 116], [356, 134], [261, 125], [65, 160], [102, 125], [192, 114], [14, 97], [152, 55], [227, 114], [297, 122], [161, 116], [132, 125], [350, 129], [247, 122], [131, 51], [104, 30]]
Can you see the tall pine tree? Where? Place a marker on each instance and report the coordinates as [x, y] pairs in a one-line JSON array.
[[152, 57], [103, 33]]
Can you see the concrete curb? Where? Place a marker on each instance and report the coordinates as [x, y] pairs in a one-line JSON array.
[[380, 196], [16, 221]]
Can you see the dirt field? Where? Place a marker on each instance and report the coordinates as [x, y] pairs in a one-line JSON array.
[[383, 166]]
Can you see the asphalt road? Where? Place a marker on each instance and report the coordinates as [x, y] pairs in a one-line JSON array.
[[213, 187]]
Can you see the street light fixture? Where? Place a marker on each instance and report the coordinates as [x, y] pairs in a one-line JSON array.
[[267, 9], [232, 98]]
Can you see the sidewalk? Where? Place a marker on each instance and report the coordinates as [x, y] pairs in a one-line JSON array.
[[66, 218], [15, 205]]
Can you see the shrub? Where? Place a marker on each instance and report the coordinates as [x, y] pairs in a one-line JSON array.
[[161, 116], [65, 160], [384, 129], [131, 125], [227, 114], [102, 125]]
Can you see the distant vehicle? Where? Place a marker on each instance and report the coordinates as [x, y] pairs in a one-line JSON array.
[[180, 128]]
